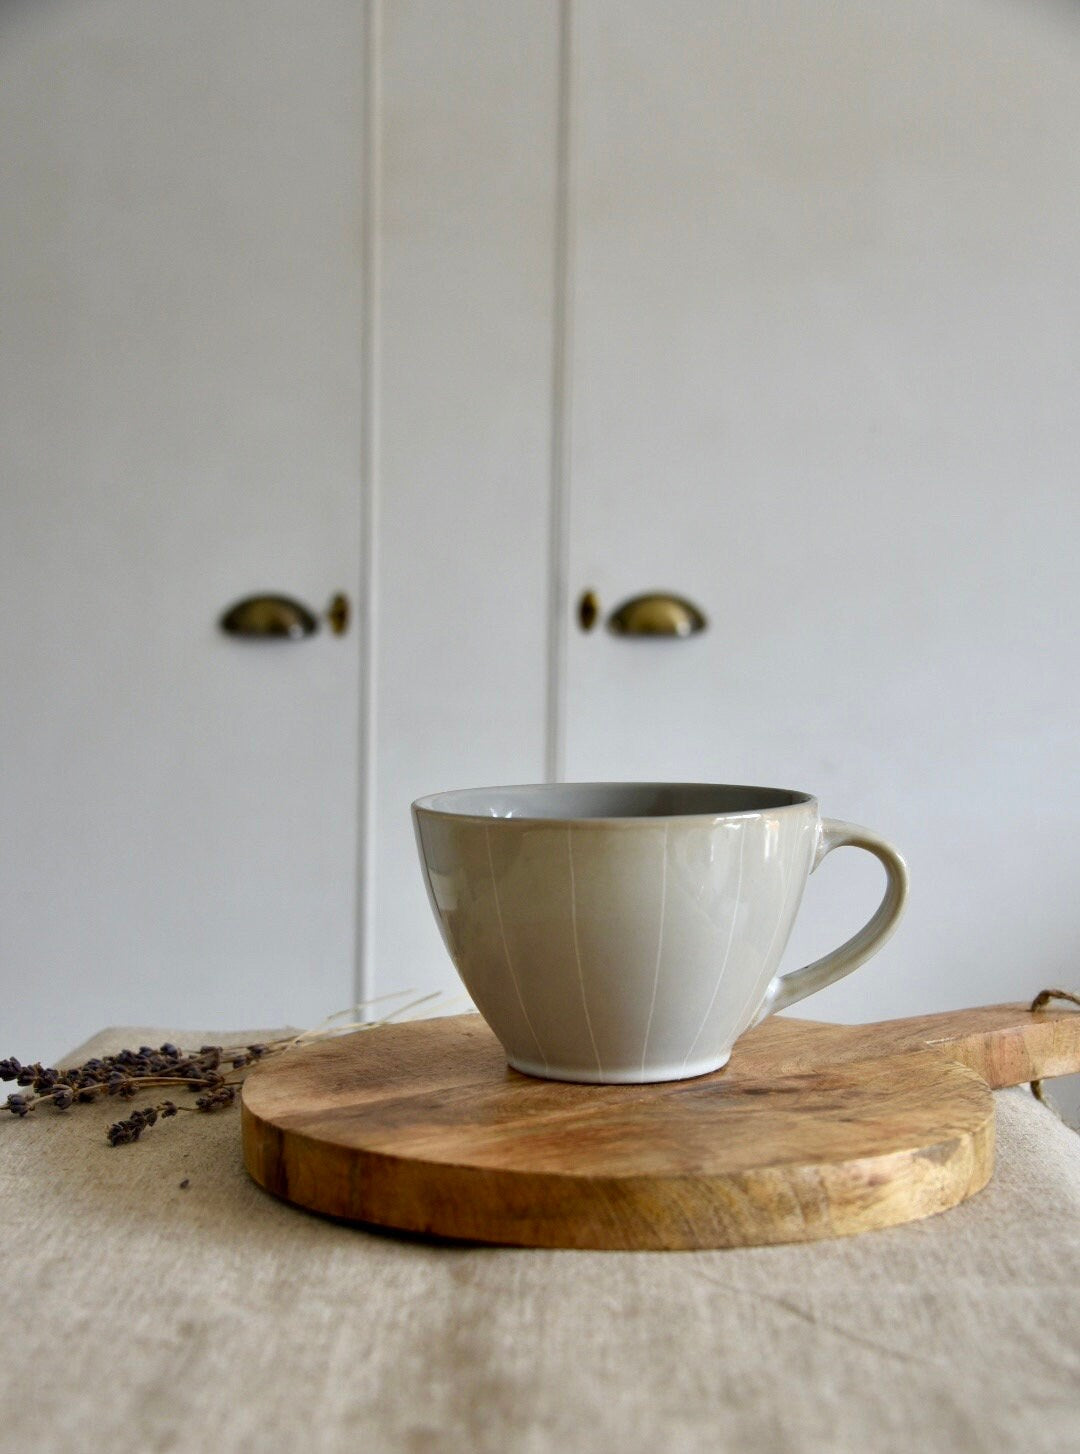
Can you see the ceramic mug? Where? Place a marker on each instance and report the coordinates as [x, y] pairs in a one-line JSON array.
[[629, 932]]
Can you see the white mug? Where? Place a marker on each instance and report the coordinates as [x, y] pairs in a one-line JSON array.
[[629, 932]]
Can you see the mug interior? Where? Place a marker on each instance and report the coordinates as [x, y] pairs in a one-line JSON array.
[[606, 802]]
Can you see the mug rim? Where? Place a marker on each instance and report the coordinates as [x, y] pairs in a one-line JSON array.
[[443, 804]]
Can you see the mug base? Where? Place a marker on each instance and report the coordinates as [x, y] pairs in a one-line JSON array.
[[618, 1075]]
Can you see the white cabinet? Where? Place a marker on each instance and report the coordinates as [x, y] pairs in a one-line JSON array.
[[465, 309], [825, 291], [180, 425], [791, 330], [465, 229]]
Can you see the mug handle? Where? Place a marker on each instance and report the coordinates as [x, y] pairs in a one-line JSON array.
[[786, 989]]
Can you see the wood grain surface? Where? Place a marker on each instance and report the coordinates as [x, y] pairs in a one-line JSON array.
[[811, 1131]]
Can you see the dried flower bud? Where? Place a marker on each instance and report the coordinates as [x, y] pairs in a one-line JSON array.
[[9, 1068]]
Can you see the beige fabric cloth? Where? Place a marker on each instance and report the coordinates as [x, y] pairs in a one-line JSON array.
[[141, 1316]]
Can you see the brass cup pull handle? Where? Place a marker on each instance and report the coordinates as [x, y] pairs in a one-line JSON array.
[[657, 614], [281, 617]]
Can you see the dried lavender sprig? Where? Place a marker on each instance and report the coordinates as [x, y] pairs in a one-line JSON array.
[[128, 1071], [122, 1133], [213, 1072]]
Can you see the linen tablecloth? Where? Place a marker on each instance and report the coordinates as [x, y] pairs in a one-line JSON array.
[[146, 1315]]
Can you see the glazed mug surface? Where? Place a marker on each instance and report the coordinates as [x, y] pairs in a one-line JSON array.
[[629, 932]]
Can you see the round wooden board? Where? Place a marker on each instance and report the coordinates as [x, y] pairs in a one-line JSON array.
[[424, 1128]]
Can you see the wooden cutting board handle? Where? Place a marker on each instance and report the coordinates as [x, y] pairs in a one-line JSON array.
[[1005, 1044]]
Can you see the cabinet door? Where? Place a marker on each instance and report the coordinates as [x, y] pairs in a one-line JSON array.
[[466, 229], [180, 426], [825, 301]]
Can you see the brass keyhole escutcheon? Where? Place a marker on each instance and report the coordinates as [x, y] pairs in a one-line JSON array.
[[588, 610], [337, 613]]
